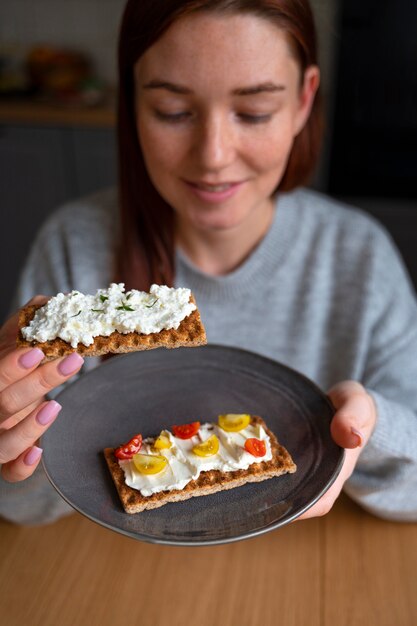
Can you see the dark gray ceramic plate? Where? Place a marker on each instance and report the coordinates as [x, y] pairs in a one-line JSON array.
[[147, 391]]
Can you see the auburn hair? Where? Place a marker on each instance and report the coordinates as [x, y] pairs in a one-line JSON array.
[[146, 250]]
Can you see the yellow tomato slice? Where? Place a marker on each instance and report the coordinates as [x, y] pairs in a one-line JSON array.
[[233, 422], [149, 463], [208, 447], [162, 442]]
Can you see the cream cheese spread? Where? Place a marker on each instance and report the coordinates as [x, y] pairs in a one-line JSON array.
[[184, 465], [78, 318]]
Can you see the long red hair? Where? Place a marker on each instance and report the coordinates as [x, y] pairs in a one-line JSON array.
[[146, 252]]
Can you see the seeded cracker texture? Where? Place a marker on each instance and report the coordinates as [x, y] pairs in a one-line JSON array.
[[189, 333], [208, 482]]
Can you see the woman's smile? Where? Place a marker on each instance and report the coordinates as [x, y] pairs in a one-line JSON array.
[[214, 192]]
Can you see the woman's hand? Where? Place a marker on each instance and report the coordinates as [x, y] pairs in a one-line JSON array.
[[351, 427], [25, 414]]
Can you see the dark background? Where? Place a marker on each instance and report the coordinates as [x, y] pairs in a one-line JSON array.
[[373, 154], [375, 124]]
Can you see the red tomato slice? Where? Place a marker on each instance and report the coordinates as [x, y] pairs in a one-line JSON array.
[[127, 450], [186, 431], [256, 447]]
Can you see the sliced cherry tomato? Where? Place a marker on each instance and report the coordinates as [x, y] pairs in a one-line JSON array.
[[186, 431], [208, 447], [127, 450], [233, 422], [256, 447], [150, 463], [162, 442]]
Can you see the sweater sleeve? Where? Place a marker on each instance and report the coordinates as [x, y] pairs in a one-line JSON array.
[[35, 501], [73, 250], [385, 479]]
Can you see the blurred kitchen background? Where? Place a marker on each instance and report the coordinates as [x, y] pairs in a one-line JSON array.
[[57, 81]]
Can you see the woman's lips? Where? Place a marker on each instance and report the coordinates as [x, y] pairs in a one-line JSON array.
[[214, 193]]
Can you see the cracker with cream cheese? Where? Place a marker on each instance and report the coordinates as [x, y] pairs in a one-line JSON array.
[[208, 482], [189, 333]]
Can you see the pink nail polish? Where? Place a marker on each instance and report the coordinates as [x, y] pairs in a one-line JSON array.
[[48, 413], [358, 436], [31, 358], [33, 455], [70, 364]]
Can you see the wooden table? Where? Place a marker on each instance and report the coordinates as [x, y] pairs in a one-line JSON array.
[[346, 569]]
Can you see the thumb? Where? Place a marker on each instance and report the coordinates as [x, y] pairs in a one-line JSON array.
[[355, 416]]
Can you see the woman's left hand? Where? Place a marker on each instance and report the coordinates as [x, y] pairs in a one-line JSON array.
[[351, 427]]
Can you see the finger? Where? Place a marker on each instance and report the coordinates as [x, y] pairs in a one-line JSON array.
[[319, 509], [8, 332], [17, 417], [17, 364], [326, 502], [355, 414], [37, 384], [23, 466], [17, 440]]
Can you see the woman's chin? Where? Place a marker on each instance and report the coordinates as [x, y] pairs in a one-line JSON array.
[[213, 221]]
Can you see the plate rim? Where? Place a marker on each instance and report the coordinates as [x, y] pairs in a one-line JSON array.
[[216, 541]]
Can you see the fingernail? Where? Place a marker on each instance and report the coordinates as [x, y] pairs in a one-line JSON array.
[[48, 413], [357, 436], [70, 364], [31, 358], [33, 456]]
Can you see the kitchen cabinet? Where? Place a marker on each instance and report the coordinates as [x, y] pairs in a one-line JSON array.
[[94, 159], [42, 167]]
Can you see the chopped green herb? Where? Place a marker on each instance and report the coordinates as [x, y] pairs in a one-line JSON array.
[[149, 306], [98, 310], [128, 296], [124, 307], [77, 314], [104, 298]]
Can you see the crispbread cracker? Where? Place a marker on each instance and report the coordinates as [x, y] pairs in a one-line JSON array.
[[208, 482], [190, 333]]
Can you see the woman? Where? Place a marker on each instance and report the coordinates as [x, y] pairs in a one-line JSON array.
[[219, 124]]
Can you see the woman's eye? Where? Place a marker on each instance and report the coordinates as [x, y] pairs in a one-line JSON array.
[[172, 117], [250, 118]]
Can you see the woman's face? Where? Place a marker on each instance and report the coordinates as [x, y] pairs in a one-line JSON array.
[[219, 101]]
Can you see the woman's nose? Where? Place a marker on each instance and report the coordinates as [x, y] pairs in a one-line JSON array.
[[215, 145]]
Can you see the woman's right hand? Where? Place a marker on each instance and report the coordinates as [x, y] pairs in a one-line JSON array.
[[25, 413]]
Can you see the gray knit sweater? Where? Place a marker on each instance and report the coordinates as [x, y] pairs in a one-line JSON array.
[[325, 292]]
